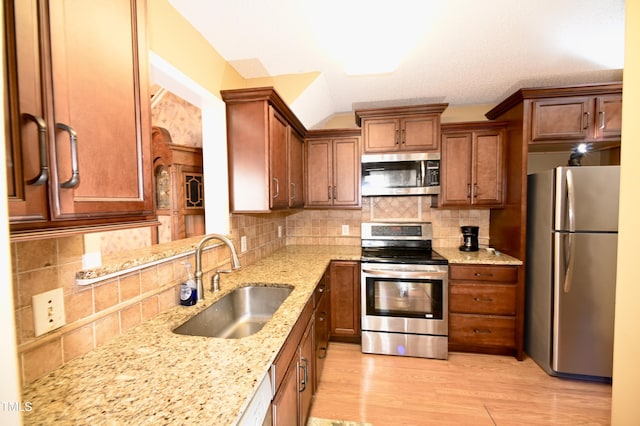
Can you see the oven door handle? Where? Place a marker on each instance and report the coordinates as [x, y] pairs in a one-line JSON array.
[[406, 274]]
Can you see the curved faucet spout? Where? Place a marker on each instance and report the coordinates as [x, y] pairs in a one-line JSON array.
[[235, 262]]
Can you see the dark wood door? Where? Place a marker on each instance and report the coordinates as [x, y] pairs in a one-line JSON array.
[[345, 300], [81, 107], [99, 95], [319, 172], [381, 135], [26, 146], [296, 170], [346, 172], [609, 117], [488, 168], [420, 133], [455, 169], [278, 135], [306, 374], [285, 401], [561, 119]]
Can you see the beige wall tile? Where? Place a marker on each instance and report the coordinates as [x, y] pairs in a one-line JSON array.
[[149, 279], [129, 286], [41, 360], [78, 305], [36, 254], [35, 282], [107, 328], [105, 295], [168, 299], [130, 317], [149, 307], [77, 342]]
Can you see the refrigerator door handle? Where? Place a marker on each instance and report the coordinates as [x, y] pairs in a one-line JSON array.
[[568, 274], [571, 202]]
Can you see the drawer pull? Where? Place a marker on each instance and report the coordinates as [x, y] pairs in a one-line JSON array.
[[479, 274], [481, 331], [483, 299]]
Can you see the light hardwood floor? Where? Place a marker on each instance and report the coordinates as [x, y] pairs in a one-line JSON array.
[[466, 389]]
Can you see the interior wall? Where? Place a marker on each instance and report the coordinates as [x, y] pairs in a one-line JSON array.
[[625, 409]]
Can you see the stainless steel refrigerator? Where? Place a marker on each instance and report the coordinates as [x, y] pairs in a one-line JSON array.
[[572, 238]]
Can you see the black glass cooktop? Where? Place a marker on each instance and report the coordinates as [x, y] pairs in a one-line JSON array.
[[422, 256]]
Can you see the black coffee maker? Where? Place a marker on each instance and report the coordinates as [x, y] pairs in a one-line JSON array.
[[470, 238]]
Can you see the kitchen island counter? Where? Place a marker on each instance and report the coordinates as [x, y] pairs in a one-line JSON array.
[[150, 375]]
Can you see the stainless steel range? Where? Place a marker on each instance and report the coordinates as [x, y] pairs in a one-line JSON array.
[[404, 291]]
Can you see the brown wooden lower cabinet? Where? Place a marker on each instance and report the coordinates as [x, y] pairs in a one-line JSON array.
[[483, 309], [345, 301]]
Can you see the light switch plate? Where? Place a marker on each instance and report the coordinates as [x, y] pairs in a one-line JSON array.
[[279, 231], [48, 311], [345, 229], [243, 243]]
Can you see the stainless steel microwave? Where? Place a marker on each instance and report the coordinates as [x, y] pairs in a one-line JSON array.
[[401, 174]]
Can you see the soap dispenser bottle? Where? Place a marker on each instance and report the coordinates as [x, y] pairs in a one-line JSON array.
[[188, 290]]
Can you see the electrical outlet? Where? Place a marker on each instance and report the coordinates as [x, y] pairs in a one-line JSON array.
[[345, 229], [243, 244], [48, 311], [279, 231]]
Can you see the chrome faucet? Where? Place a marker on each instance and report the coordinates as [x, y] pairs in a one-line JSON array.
[[235, 262]]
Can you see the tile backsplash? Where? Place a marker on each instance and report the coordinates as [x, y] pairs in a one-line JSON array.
[[99, 312]]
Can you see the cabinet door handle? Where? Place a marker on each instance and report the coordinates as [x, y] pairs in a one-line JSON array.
[[404, 136], [329, 192], [277, 193], [468, 190], [335, 192], [305, 374], [293, 191], [602, 120], [75, 170], [42, 141], [397, 137], [586, 119]]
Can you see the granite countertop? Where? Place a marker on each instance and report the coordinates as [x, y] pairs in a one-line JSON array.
[[150, 375], [482, 256]]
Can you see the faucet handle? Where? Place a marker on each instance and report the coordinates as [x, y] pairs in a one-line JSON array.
[[215, 279]]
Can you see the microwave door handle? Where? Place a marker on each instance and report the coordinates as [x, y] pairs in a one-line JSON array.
[[423, 173]]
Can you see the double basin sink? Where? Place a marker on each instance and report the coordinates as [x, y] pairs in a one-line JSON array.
[[238, 314]]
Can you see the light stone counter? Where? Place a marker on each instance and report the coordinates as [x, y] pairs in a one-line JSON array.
[[482, 256], [150, 375]]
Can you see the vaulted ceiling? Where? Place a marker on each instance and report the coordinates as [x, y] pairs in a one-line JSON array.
[[457, 51]]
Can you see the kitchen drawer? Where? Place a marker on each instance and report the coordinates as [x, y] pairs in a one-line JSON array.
[[476, 298], [480, 330], [506, 274]]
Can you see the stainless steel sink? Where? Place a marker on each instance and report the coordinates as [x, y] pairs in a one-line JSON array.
[[240, 313]]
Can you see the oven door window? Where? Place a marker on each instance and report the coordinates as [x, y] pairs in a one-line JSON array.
[[395, 297]]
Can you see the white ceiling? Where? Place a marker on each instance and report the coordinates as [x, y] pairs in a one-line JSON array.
[[459, 51]]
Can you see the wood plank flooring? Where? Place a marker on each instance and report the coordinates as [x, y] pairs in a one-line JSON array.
[[466, 389]]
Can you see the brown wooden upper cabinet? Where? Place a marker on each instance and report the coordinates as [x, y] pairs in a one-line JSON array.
[[333, 168], [409, 128], [587, 118], [472, 165], [265, 151], [558, 118], [78, 138]]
